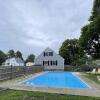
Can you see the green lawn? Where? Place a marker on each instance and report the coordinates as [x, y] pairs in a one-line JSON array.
[[25, 95], [93, 77]]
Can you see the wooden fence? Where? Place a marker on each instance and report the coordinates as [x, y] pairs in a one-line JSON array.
[[9, 72], [77, 68]]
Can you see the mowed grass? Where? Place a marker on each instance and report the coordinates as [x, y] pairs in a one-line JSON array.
[[25, 95], [92, 77]]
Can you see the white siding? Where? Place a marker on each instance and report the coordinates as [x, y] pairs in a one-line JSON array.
[[39, 60], [14, 62]]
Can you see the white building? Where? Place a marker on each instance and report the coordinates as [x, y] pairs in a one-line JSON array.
[[97, 62], [14, 62], [50, 60], [29, 64]]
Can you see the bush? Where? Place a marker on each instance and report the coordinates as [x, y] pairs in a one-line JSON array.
[[85, 68]]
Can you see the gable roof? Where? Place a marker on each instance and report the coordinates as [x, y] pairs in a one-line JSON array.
[[18, 60], [48, 49]]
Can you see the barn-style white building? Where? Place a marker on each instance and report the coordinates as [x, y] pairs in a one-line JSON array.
[[50, 60], [14, 62]]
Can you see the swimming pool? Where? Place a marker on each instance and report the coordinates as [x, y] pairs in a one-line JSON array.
[[58, 79]]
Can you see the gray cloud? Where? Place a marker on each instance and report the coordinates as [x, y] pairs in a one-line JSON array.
[[32, 25]]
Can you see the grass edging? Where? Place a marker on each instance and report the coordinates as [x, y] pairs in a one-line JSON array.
[[92, 77], [27, 95]]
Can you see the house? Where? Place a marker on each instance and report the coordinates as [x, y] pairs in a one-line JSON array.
[[50, 60], [97, 62], [29, 64], [14, 62]]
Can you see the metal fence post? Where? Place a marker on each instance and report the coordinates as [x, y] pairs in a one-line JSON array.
[[11, 72], [24, 70]]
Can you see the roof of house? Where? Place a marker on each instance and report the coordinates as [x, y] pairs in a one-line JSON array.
[[52, 51], [18, 60]]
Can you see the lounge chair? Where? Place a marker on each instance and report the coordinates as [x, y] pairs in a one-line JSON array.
[[98, 77], [98, 74], [99, 71], [94, 71]]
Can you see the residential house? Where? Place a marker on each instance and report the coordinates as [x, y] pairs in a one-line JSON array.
[[14, 62], [29, 64], [50, 60]]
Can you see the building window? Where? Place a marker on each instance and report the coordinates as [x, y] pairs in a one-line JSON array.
[[50, 63], [48, 54], [45, 63], [54, 63], [44, 54]]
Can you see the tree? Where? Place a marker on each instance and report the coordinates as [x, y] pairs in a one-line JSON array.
[[30, 58], [90, 34], [70, 51], [2, 57], [94, 40], [18, 54], [95, 10], [11, 53]]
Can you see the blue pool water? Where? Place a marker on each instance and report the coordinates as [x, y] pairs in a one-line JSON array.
[[58, 79]]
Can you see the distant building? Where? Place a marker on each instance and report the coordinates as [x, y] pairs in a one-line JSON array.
[[97, 62], [50, 60], [14, 62], [29, 64]]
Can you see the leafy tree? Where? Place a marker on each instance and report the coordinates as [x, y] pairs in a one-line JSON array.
[[30, 58], [70, 51], [18, 54], [11, 53], [94, 40], [83, 60], [90, 34], [2, 57], [96, 10]]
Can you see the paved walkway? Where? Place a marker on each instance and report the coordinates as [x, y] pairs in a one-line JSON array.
[[16, 84]]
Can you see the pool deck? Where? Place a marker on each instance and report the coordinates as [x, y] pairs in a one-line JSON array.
[[16, 84]]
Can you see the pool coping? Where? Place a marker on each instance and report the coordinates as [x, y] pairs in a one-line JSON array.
[[89, 87], [15, 84]]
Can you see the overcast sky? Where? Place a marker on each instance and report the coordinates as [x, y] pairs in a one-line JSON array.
[[32, 25]]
